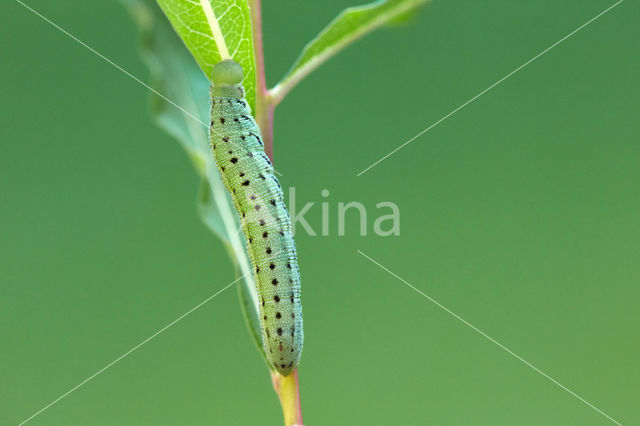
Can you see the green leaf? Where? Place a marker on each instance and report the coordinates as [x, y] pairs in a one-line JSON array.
[[190, 22], [350, 25], [177, 79], [209, 212], [404, 19], [252, 321]]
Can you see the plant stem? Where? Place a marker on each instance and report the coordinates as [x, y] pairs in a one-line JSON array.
[[264, 106], [265, 122], [288, 390], [287, 387]]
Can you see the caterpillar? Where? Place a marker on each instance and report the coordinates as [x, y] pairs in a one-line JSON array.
[[248, 175]]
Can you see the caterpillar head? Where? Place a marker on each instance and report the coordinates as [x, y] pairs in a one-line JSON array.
[[227, 72]]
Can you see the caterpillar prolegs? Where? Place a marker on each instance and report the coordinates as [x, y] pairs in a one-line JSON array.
[[249, 177]]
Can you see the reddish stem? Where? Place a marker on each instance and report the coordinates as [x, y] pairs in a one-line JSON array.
[[287, 387], [265, 121], [264, 107], [288, 390], [256, 20]]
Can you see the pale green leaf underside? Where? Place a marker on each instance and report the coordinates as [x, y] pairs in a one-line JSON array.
[[190, 22], [347, 27], [175, 74]]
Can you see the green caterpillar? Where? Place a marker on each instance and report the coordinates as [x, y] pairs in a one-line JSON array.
[[257, 195]]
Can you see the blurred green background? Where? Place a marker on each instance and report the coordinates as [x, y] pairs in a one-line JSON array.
[[520, 213]]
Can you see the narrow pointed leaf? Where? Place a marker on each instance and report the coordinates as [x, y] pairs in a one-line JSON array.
[[176, 75], [350, 25]]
